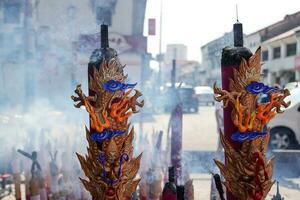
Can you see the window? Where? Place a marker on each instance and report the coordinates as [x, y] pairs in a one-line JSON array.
[[265, 55], [276, 52], [291, 49], [12, 11]]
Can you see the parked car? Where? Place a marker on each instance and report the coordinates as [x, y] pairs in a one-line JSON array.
[[292, 85], [205, 95], [285, 127], [168, 99], [189, 99]]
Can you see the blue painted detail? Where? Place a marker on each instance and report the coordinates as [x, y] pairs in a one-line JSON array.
[[101, 158], [256, 88], [123, 158], [106, 134], [113, 85], [249, 135]]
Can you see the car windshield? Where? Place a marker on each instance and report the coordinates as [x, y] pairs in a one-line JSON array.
[[204, 90], [186, 92], [292, 85]]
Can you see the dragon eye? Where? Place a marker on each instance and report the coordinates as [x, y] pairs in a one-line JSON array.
[[113, 86], [256, 88]]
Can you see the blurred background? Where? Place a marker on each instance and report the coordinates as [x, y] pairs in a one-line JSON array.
[[45, 47]]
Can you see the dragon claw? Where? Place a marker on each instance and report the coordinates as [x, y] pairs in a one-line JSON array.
[[78, 105], [78, 89], [75, 98]]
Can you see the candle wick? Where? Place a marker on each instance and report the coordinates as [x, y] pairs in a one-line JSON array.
[[237, 12]]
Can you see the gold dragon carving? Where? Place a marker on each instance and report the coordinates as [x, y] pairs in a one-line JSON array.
[[109, 164], [247, 172]]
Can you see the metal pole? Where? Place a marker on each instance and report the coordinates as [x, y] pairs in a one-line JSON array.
[[173, 74], [27, 25], [160, 44]]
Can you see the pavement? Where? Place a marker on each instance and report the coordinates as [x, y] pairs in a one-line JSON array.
[[202, 184], [199, 129], [200, 134]]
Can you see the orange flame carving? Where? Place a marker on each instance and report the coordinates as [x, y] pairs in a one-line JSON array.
[[267, 111], [96, 122], [243, 120], [119, 109]]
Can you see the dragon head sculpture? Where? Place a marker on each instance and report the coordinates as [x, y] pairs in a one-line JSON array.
[[247, 172], [109, 164], [250, 116]]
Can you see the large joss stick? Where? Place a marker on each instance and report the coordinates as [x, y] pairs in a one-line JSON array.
[[247, 172], [176, 141], [109, 164], [16, 174], [36, 183], [170, 190], [176, 126]]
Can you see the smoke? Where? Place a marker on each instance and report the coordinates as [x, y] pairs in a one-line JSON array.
[[39, 69], [38, 75]]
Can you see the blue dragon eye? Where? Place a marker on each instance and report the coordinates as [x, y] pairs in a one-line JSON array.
[[113, 86], [256, 88]]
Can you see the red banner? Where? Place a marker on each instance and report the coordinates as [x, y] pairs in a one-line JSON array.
[[297, 63], [151, 26]]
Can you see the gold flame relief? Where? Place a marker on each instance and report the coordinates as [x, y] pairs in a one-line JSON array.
[[247, 172], [109, 164]]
